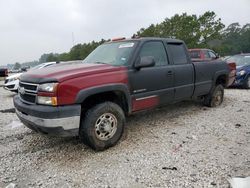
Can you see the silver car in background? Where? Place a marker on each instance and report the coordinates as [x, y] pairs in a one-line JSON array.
[[12, 82]]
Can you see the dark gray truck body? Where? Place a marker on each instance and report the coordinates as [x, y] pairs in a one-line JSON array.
[[177, 78]]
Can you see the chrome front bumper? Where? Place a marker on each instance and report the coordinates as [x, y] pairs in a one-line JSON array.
[[58, 121]]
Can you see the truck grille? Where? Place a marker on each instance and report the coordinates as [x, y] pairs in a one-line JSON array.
[[28, 92]]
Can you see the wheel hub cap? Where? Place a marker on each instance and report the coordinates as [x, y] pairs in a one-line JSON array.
[[218, 98], [105, 126]]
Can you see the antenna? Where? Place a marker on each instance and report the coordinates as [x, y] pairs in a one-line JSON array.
[[73, 39]]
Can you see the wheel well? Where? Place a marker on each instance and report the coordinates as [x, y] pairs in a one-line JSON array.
[[222, 79], [117, 97]]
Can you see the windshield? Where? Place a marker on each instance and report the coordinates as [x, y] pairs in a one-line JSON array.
[[239, 60], [116, 53]]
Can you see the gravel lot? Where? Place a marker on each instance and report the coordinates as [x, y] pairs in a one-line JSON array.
[[181, 145]]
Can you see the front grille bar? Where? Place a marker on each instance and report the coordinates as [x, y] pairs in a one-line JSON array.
[[28, 92]]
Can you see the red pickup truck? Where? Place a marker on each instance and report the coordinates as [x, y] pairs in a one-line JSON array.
[[203, 54], [91, 99]]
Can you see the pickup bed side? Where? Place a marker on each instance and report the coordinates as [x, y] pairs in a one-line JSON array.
[[207, 74]]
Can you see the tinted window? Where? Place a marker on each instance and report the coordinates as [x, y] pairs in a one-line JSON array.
[[178, 53], [212, 55], [156, 50], [206, 54], [195, 54]]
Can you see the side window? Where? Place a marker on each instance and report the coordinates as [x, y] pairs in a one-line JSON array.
[[212, 55], [178, 53], [155, 49], [206, 54], [195, 54]]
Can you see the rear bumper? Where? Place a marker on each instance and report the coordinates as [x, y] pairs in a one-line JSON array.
[[57, 121]]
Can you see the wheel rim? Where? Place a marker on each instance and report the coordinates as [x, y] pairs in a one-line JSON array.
[[218, 98], [105, 126]]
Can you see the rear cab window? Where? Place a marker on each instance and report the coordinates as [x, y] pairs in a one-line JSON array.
[[178, 53]]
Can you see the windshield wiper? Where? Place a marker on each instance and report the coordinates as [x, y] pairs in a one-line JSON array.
[[98, 62]]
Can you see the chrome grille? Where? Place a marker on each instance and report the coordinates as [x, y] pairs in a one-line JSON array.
[[27, 92]]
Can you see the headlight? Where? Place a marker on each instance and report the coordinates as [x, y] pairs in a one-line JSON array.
[[48, 87], [47, 100], [12, 79], [241, 73]]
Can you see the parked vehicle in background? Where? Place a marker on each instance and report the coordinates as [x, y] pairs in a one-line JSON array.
[[12, 82], [117, 79], [203, 54], [15, 71], [242, 62], [25, 68], [3, 72]]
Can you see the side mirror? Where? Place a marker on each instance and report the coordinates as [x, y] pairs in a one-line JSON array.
[[146, 61]]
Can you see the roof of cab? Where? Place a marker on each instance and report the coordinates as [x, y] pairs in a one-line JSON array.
[[169, 40]]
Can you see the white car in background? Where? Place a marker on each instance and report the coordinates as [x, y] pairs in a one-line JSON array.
[[12, 82]]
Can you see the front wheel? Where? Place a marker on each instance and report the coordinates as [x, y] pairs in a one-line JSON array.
[[215, 97], [102, 126]]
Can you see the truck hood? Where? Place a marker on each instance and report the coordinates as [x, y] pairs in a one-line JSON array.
[[62, 72], [14, 76]]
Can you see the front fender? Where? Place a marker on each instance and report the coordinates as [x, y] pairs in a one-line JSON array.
[[85, 93]]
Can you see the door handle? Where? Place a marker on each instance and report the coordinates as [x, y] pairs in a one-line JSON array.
[[169, 73]]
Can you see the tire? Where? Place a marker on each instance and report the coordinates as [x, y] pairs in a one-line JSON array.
[[102, 126], [215, 97], [247, 83]]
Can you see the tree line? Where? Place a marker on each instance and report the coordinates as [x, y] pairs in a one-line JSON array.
[[204, 31]]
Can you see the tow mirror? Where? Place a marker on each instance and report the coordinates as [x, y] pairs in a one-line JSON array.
[[146, 61]]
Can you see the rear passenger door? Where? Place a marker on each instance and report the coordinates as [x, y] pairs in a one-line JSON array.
[[152, 86], [183, 71]]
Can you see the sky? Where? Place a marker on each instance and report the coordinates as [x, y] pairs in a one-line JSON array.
[[29, 28]]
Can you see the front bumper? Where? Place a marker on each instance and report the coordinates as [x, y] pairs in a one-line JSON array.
[[57, 121], [239, 80]]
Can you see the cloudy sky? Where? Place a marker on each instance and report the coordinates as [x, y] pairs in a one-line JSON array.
[[29, 28]]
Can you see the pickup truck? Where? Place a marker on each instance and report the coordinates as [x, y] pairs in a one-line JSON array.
[[119, 78]]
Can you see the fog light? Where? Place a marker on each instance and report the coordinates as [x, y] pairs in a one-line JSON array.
[[47, 100]]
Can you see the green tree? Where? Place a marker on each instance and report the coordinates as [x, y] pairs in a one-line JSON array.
[[17, 66], [195, 31], [210, 28], [236, 39], [52, 57]]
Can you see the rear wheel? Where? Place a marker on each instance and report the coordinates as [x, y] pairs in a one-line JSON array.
[[215, 97], [102, 126]]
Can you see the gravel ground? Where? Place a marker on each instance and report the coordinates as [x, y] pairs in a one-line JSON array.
[[181, 145]]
